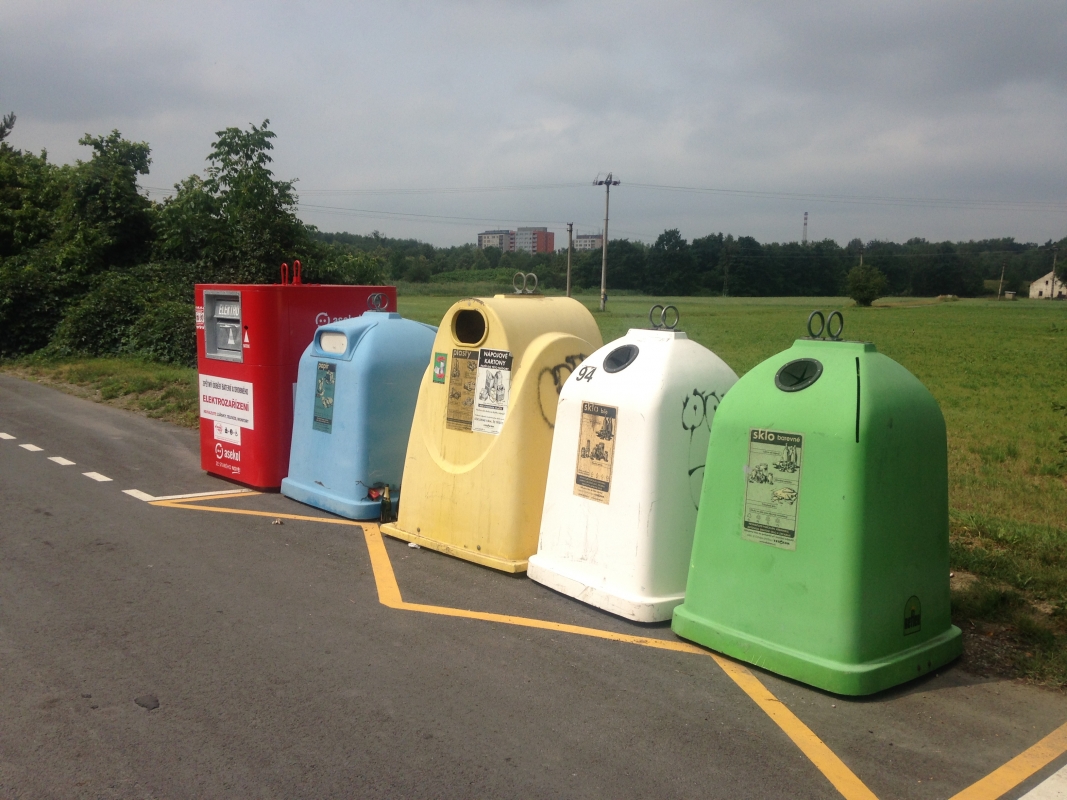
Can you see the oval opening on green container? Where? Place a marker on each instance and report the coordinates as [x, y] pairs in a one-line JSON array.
[[797, 375]]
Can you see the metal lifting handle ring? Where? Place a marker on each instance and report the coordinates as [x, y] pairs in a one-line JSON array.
[[830, 323], [377, 301], [652, 316], [526, 288], [822, 324], [663, 317]]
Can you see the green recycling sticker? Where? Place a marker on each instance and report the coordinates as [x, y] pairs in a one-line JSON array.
[[325, 382]]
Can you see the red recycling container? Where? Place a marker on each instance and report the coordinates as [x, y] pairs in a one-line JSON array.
[[249, 339]]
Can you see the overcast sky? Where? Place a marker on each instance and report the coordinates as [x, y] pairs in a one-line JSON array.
[[853, 112]]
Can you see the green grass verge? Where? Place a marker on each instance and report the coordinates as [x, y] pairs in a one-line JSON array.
[[161, 391]]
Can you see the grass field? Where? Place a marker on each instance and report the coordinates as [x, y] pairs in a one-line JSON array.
[[997, 370]]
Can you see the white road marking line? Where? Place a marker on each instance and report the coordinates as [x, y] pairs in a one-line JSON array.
[[96, 476], [31, 447], [63, 462], [202, 494], [1054, 786], [6, 436], [139, 495]]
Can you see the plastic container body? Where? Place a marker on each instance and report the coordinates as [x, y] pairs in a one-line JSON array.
[[477, 458], [821, 545], [249, 339], [626, 472], [355, 398]]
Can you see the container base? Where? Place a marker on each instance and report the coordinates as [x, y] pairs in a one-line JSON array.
[[572, 582], [317, 497], [834, 676], [484, 559]]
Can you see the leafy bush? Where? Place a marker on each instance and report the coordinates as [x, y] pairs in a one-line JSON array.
[[165, 332], [99, 323], [141, 311], [866, 284], [31, 306]]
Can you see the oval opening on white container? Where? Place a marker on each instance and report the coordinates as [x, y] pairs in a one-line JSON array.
[[333, 342]]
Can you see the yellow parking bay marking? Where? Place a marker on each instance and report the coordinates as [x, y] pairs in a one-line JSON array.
[[994, 785], [198, 495], [1007, 777], [824, 759]]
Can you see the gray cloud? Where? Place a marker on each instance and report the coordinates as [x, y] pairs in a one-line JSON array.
[[904, 99]]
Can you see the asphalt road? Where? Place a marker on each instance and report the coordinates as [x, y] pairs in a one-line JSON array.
[[278, 673]]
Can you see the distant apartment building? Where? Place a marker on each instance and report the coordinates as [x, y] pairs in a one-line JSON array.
[[535, 240], [588, 241], [532, 240], [504, 240]]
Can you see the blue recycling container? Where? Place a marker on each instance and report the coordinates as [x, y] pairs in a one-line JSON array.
[[356, 389]]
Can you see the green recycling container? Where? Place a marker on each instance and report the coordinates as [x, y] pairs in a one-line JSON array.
[[821, 544]]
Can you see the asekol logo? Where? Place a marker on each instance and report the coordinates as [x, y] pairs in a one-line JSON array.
[[322, 318], [222, 452]]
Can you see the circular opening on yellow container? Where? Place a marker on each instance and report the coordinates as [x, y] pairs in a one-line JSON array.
[[468, 326]]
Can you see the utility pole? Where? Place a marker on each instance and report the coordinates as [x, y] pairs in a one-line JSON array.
[[607, 183], [1052, 293], [1000, 289], [804, 239], [570, 249]]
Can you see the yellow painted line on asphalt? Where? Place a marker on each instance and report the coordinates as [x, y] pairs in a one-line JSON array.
[[389, 595], [824, 759], [994, 785], [176, 502], [843, 779], [1007, 777]]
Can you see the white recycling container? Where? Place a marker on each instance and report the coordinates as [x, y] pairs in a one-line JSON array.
[[626, 470]]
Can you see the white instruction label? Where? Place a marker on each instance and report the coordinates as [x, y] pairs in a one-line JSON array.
[[772, 487], [492, 391], [226, 400]]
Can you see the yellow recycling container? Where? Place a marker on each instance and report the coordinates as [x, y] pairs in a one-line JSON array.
[[477, 459]]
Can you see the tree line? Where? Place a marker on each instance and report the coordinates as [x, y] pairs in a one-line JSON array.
[[720, 264], [90, 265]]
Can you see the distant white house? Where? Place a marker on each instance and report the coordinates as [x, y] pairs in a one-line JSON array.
[[1046, 286]]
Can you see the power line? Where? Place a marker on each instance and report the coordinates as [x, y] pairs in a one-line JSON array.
[[939, 202], [923, 202]]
